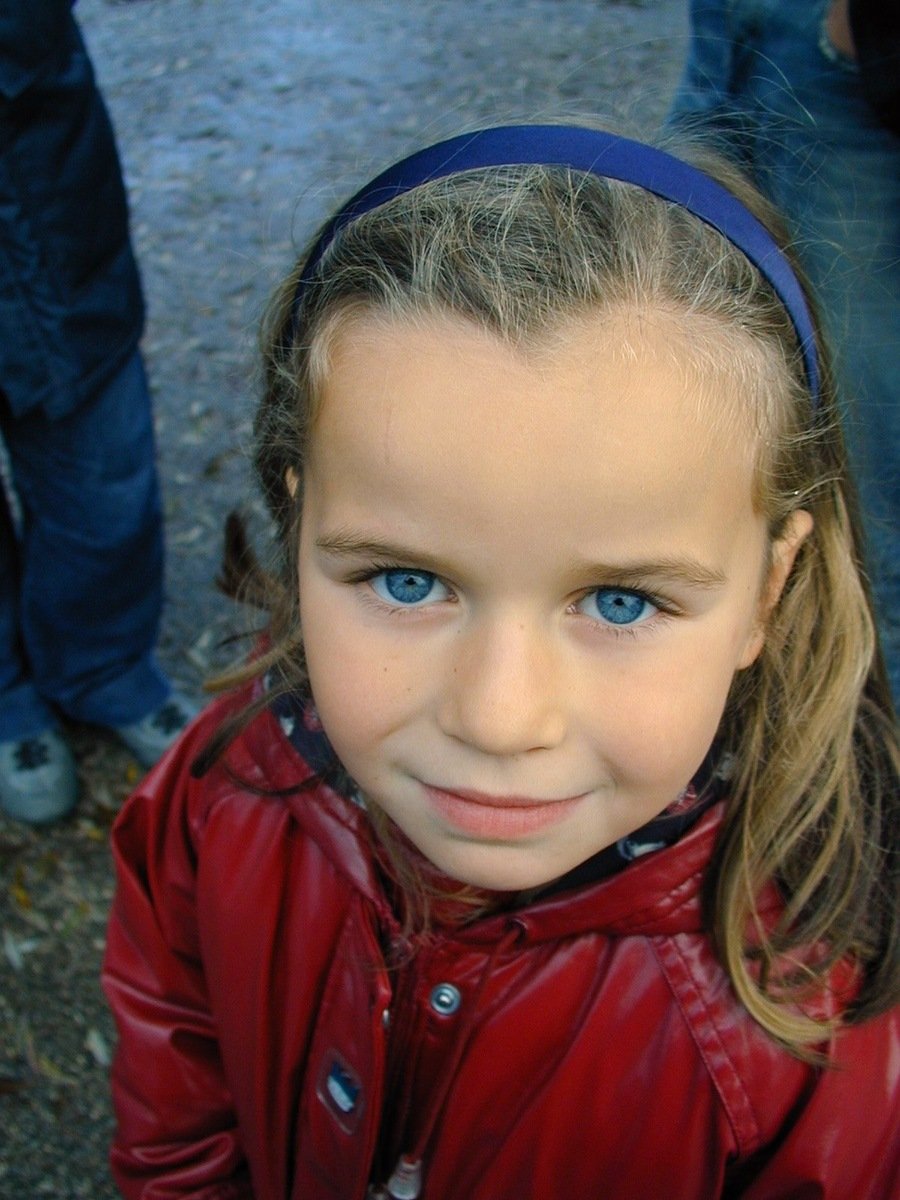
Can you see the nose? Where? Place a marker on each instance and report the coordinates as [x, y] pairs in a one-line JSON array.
[[504, 692]]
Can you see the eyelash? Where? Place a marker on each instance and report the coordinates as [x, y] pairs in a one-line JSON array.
[[665, 612], [665, 609], [662, 607], [367, 574]]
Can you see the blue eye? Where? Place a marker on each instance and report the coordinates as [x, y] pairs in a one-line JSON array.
[[408, 588], [618, 606]]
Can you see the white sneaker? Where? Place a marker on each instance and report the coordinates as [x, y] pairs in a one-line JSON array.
[[149, 738], [38, 780]]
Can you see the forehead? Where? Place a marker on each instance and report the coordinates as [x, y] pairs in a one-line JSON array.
[[629, 391]]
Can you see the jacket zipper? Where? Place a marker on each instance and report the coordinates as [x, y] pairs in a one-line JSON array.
[[406, 1179]]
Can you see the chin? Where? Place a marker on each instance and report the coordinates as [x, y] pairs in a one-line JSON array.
[[497, 868]]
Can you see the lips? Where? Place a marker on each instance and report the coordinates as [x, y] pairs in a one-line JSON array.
[[498, 817]]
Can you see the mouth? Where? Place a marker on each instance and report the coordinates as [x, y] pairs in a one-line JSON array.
[[493, 817]]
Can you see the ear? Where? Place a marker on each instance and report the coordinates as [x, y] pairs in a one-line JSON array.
[[781, 561], [292, 482]]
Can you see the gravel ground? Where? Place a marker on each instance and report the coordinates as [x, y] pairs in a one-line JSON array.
[[241, 123]]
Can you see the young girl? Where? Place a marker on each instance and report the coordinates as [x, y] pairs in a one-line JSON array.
[[547, 850]]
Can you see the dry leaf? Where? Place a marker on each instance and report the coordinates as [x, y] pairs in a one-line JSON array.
[[95, 1044], [16, 949]]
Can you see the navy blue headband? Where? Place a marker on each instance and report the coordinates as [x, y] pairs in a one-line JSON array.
[[610, 157]]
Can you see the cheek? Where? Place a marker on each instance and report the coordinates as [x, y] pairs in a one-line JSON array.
[[357, 687], [659, 718], [751, 648], [670, 740], [346, 703], [340, 680]]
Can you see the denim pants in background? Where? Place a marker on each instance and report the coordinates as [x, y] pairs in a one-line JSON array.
[[80, 524], [81, 577], [762, 76]]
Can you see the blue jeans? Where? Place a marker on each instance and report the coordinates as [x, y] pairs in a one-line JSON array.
[[761, 74], [81, 573]]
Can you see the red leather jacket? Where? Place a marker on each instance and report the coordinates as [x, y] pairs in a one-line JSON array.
[[585, 1046]]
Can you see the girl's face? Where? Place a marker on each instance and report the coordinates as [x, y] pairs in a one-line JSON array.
[[526, 583]]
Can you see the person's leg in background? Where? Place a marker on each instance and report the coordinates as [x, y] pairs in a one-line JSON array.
[[81, 592], [81, 578], [37, 768], [92, 554], [767, 81]]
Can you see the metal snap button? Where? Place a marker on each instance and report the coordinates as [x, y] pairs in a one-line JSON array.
[[445, 999]]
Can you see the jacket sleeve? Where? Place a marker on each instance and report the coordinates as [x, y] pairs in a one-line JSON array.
[[845, 1140], [176, 1133]]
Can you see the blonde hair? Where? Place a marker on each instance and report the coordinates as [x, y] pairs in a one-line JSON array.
[[519, 251]]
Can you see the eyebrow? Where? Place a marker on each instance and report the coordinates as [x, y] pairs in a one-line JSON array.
[[345, 544], [686, 570]]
